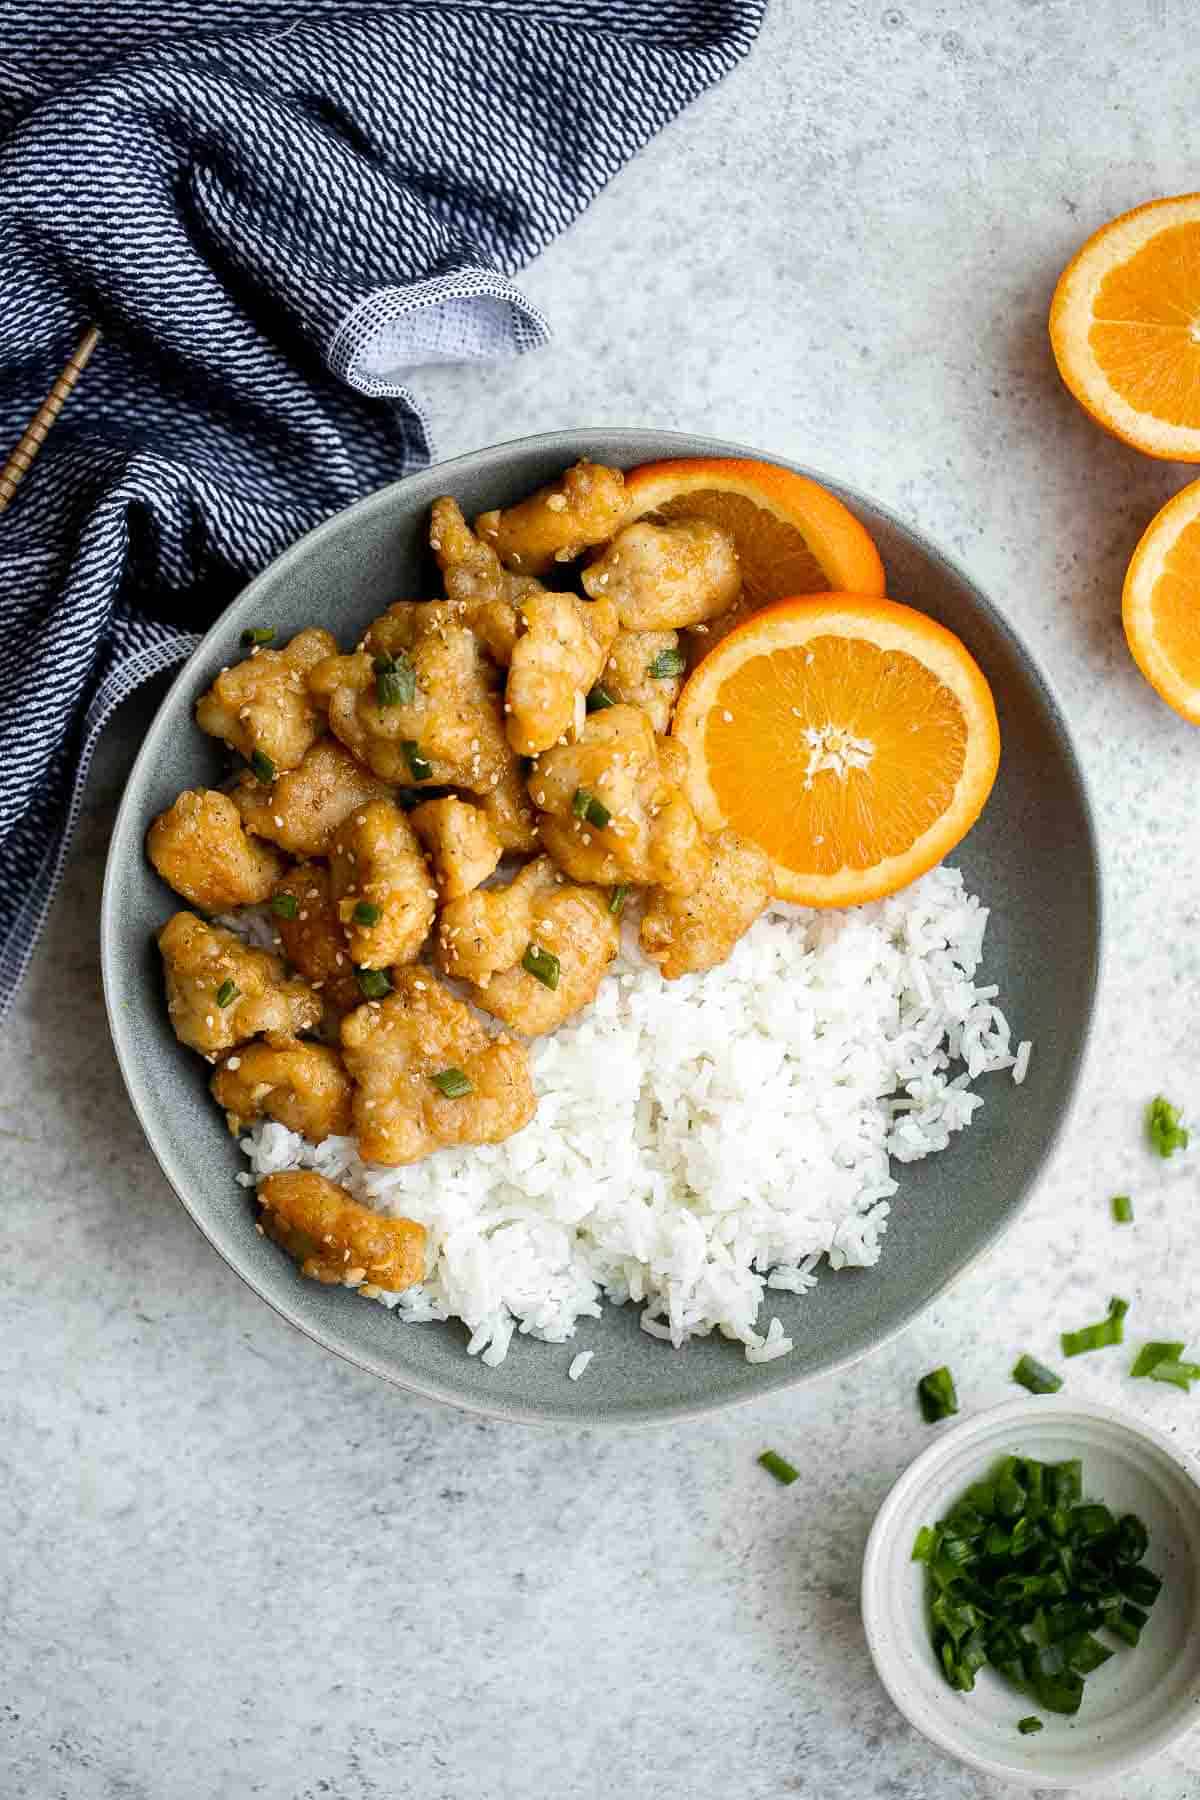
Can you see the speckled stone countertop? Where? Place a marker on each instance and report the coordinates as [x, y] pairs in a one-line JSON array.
[[233, 1566]]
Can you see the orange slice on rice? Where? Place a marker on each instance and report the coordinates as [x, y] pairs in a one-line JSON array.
[[853, 738], [792, 535], [1125, 327], [1161, 603]]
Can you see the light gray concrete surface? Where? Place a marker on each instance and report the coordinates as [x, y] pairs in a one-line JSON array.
[[232, 1566]]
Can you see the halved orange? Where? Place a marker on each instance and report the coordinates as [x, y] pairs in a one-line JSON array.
[[792, 535], [1125, 327], [853, 738], [1161, 603]]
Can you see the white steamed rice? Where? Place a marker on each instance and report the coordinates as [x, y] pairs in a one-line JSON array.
[[702, 1141]]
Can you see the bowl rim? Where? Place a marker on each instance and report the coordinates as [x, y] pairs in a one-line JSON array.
[[878, 1570], [658, 446]]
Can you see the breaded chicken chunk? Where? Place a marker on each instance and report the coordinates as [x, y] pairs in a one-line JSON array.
[[336, 1239], [686, 933], [311, 934], [664, 576], [461, 843], [301, 810], [200, 848], [302, 1086], [611, 809], [585, 507], [644, 669], [491, 929], [571, 936], [509, 811], [410, 1055], [261, 706], [381, 886], [420, 703], [484, 592], [561, 650], [220, 991]]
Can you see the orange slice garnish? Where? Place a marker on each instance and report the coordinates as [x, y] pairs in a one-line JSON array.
[[1125, 327], [1161, 603], [853, 738], [792, 535]]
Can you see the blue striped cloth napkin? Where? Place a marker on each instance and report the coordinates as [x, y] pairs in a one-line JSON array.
[[272, 211]]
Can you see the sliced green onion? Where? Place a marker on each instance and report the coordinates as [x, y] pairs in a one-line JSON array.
[[1098, 1337], [1127, 1625], [1165, 1132], [227, 993], [285, 906], [925, 1544], [1085, 1653], [1150, 1355], [585, 806], [1022, 1572], [395, 680], [542, 965], [1179, 1374], [262, 765], [1133, 1540], [1058, 1692], [667, 664], [453, 1083], [1122, 1209], [1091, 1521], [777, 1466], [1139, 1584], [367, 913], [1160, 1361], [258, 634], [1035, 1376], [936, 1395], [1065, 1482], [374, 983], [598, 699], [617, 898], [1029, 1725], [421, 770]]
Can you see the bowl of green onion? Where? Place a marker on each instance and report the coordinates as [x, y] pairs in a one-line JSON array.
[[1030, 1590]]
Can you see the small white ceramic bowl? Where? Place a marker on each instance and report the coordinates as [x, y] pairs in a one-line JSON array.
[[1140, 1700]]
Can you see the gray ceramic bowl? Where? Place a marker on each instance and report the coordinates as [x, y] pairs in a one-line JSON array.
[[1032, 857]]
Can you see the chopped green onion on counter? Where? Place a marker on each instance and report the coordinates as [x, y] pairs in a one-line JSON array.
[[937, 1397], [1035, 1376], [1161, 1362], [1166, 1134], [1098, 1337], [776, 1465]]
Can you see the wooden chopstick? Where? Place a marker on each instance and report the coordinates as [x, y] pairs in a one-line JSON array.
[[34, 435]]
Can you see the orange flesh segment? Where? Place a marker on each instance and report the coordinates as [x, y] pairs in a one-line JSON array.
[[1176, 605], [1144, 337], [897, 733]]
